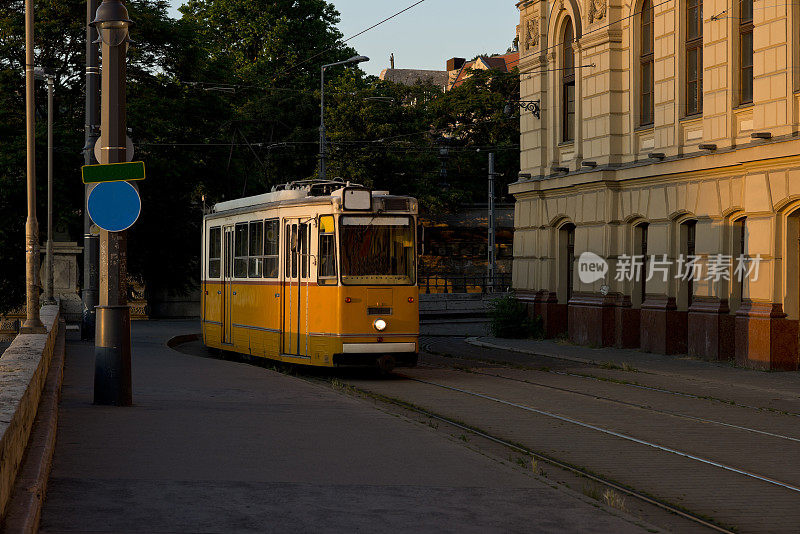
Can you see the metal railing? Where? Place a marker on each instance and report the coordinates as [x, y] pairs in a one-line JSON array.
[[445, 283]]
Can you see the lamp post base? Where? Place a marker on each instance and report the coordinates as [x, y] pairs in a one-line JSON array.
[[112, 356]]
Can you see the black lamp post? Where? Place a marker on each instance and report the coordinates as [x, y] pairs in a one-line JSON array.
[[112, 379]]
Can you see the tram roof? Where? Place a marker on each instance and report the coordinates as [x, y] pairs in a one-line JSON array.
[[285, 197]]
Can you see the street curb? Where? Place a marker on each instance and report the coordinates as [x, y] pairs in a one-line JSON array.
[[25, 508], [485, 344], [180, 340]]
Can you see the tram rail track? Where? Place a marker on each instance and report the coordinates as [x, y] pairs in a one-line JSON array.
[[633, 405], [545, 458], [427, 348], [610, 432]]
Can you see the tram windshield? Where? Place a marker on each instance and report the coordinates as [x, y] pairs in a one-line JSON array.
[[377, 250]]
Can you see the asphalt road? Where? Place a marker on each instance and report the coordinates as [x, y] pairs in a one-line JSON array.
[[220, 446]]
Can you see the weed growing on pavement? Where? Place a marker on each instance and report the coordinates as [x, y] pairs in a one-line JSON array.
[[624, 366], [464, 438], [614, 499], [592, 491], [537, 468]]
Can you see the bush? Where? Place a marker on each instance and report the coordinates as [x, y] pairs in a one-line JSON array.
[[510, 319]]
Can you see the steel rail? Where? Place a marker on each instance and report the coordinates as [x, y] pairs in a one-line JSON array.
[[639, 406], [427, 347], [550, 460], [620, 435]]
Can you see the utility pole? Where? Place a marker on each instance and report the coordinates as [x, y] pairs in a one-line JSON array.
[[112, 380], [492, 264], [33, 324], [91, 242]]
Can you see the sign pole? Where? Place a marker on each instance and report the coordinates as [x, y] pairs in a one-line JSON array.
[[491, 260], [112, 380], [89, 292]]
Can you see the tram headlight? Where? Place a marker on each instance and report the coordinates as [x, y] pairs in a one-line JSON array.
[[379, 324]]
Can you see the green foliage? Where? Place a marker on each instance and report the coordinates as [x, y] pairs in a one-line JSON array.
[[510, 319], [224, 103]]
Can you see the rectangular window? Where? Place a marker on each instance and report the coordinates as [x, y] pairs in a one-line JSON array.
[[377, 250], [214, 252], [271, 242], [746, 52], [568, 86], [694, 57], [327, 251], [304, 238], [646, 59], [256, 250], [240, 251]]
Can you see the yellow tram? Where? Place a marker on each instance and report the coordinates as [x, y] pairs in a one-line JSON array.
[[316, 273]]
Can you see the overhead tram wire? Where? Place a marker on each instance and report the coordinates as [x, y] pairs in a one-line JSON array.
[[362, 32]]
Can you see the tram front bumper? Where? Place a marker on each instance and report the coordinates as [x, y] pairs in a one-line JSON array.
[[378, 348], [370, 354]]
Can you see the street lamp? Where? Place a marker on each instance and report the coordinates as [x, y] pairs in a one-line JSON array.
[[40, 74], [33, 324], [112, 378], [322, 154], [534, 106]]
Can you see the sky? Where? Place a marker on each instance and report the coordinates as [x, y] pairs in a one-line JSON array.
[[426, 36]]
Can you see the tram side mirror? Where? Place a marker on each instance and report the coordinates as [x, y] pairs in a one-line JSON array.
[[357, 199]]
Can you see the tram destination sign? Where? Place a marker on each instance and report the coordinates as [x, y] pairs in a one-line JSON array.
[[113, 172]]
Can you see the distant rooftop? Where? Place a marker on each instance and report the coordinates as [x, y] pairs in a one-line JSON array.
[[414, 76]]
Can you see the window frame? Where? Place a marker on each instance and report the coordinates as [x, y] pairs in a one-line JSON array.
[[647, 64], [745, 71], [412, 223], [270, 258], [567, 83], [694, 44], [327, 279], [255, 259], [211, 258], [237, 258]]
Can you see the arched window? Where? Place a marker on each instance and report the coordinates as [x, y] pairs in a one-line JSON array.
[[646, 102], [694, 57], [568, 85], [746, 51]]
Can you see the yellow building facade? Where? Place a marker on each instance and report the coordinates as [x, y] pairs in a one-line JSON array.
[[668, 131]]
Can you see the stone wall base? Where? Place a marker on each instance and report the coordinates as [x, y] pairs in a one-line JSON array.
[[626, 324], [592, 320], [759, 336], [662, 328], [710, 330], [765, 338]]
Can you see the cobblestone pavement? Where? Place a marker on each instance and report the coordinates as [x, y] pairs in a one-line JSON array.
[[220, 446], [718, 441]]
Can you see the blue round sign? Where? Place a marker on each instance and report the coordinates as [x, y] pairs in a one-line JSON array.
[[114, 206]]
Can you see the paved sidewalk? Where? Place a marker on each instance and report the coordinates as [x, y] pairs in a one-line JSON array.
[[680, 366], [218, 446]]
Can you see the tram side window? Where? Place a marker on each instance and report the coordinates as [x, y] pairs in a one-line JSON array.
[[214, 252], [271, 251], [240, 252], [327, 251], [256, 251], [303, 243]]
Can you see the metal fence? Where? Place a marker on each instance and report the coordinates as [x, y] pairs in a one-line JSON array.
[[445, 283]]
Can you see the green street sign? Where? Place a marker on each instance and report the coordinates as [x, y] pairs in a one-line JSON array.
[[113, 172]]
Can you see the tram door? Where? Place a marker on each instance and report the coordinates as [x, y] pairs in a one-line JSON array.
[[295, 286], [227, 283]]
